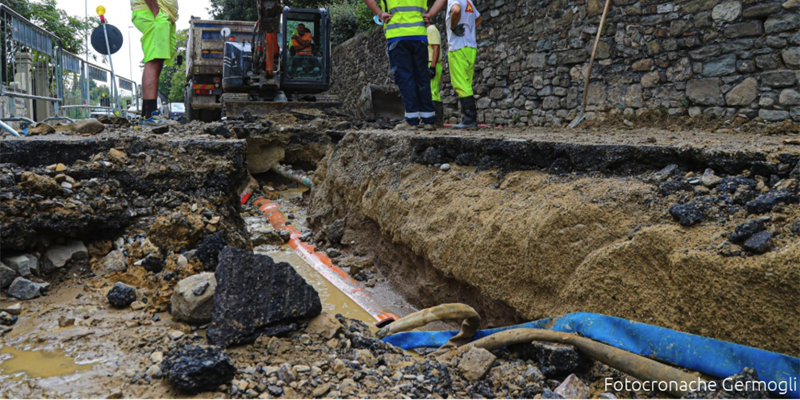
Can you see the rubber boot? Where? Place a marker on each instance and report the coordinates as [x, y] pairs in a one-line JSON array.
[[439, 108], [469, 114]]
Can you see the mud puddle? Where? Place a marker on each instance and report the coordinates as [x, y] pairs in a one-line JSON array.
[[42, 363]]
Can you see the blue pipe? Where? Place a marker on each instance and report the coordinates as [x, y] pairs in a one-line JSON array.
[[709, 356]]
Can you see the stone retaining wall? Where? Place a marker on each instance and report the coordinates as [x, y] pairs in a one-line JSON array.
[[683, 57]]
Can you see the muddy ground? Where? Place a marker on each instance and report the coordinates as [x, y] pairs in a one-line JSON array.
[[518, 235]]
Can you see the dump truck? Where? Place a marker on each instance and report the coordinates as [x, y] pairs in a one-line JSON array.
[[204, 59]]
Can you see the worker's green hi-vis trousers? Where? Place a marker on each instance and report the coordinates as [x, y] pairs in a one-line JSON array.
[[436, 83], [462, 69]]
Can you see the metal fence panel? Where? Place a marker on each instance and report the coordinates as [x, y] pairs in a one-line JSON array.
[[125, 84], [29, 36], [98, 74]]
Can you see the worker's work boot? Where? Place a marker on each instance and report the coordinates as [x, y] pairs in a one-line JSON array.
[[405, 126], [155, 120], [469, 114], [439, 108]]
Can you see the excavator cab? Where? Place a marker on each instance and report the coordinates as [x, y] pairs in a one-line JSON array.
[[305, 50]]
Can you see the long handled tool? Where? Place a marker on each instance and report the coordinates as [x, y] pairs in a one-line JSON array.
[[578, 120]]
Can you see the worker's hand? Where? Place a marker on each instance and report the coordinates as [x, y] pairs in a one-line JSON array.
[[427, 18], [432, 72], [460, 30], [385, 17]]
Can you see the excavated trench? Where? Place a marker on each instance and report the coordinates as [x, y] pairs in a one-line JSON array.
[[518, 225]]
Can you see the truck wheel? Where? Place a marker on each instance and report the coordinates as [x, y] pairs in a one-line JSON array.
[[191, 115]]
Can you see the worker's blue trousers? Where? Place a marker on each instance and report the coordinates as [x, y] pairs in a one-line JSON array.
[[409, 62]]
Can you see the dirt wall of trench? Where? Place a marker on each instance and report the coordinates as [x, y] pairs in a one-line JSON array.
[[546, 245]]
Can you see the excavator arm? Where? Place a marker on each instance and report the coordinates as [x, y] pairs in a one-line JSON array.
[[269, 25]]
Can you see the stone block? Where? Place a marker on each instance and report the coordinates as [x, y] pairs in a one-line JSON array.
[[720, 66], [779, 78], [727, 11], [744, 29], [704, 92], [742, 94], [782, 23], [761, 10]]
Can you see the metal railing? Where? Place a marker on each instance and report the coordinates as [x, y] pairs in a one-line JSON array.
[[28, 49], [26, 45]]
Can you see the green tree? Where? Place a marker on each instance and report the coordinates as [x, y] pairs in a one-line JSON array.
[[71, 30], [238, 10]]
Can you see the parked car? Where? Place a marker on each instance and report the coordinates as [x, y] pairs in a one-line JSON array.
[[178, 110], [99, 112]]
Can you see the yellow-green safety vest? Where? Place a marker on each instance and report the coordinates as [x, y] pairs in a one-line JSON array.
[[406, 18]]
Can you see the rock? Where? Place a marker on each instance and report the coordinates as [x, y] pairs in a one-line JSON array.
[[704, 92], [14, 309], [175, 335], [7, 275], [153, 264], [669, 187], [742, 94], [445, 167], [650, 79], [791, 56], [335, 231], [194, 369], [789, 97], [573, 388], [121, 295], [720, 66], [709, 179], [266, 237], [88, 125], [42, 129], [57, 256], [773, 115], [333, 253], [687, 214], [192, 305], [257, 296], [727, 11], [286, 374], [321, 390], [209, 248], [744, 230], [24, 289], [160, 129], [744, 29], [761, 10], [7, 319], [766, 202], [114, 261], [791, 4], [779, 78], [555, 359], [782, 23], [154, 372], [607, 396], [476, 363], [156, 357], [117, 156], [39, 184], [324, 325], [758, 243], [23, 264], [65, 321]]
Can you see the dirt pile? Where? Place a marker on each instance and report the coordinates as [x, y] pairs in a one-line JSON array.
[[541, 244]]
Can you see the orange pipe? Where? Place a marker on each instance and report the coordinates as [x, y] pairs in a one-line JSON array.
[[322, 264]]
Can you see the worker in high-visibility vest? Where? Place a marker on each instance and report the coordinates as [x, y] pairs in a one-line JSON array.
[[435, 70], [407, 40], [462, 21]]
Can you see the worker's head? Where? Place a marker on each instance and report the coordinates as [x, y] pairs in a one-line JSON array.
[[301, 28]]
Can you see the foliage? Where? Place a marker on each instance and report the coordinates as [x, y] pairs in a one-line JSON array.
[[238, 10], [46, 14], [349, 18], [173, 79]]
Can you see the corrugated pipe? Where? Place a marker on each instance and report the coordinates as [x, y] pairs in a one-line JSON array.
[[293, 175]]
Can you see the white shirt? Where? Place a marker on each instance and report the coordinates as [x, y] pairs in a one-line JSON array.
[[469, 13]]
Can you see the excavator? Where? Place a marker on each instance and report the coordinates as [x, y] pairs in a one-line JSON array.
[[282, 63]]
